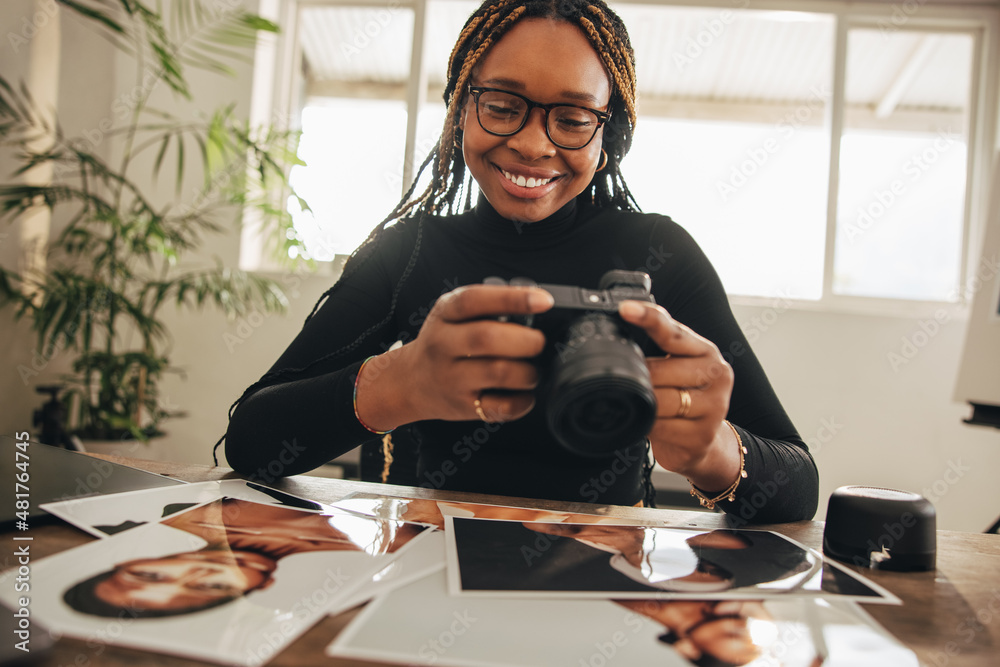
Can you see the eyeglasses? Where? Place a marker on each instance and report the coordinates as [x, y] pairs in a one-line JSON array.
[[502, 114]]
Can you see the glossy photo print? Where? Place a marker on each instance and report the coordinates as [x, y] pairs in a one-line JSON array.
[[419, 559], [429, 555], [511, 558], [432, 512], [105, 515], [236, 580], [493, 632]]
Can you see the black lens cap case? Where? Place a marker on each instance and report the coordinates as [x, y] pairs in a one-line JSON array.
[[880, 528]]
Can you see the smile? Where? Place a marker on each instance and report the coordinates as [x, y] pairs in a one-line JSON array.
[[525, 182]]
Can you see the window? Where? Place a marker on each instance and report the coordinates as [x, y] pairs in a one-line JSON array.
[[818, 156], [354, 71], [731, 140], [903, 155], [353, 121]]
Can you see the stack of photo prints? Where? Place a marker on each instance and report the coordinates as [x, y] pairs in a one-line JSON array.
[[233, 572]]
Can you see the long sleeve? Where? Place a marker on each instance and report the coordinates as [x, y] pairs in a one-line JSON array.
[[782, 482], [302, 415], [781, 485]]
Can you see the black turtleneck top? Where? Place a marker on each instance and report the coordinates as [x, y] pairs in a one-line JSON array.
[[303, 416]]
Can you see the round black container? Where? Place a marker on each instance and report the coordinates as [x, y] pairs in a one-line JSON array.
[[881, 528]]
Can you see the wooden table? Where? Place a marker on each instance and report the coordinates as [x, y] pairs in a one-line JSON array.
[[950, 617]]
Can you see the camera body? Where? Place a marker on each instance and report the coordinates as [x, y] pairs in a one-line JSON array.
[[595, 390]]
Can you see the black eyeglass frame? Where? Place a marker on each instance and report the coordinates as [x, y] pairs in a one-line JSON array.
[[602, 116]]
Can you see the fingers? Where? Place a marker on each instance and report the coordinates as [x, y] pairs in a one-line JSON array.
[[497, 408], [693, 382], [676, 403], [487, 338], [690, 388], [472, 366], [691, 404], [478, 301], [670, 335], [693, 386], [501, 374], [688, 371]]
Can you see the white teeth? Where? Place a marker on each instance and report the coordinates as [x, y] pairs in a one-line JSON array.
[[525, 182]]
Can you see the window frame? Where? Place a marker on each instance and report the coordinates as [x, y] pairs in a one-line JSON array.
[[277, 88], [982, 106]]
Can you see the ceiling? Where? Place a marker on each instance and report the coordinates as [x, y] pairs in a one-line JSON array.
[[700, 55]]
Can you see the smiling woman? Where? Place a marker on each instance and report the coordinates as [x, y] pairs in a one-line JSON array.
[[244, 543], [177, 584], [519, 167], [540, 100]]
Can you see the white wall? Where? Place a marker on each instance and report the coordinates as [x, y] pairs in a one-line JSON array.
[[875, 421], [871, 423]]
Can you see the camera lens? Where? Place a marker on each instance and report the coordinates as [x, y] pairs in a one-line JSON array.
[[601, 398]]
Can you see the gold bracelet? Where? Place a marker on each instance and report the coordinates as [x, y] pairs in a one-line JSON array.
[[730, 493], [357, 381]]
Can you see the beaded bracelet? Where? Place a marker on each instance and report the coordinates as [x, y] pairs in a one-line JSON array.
[[730, 493], [357, 380]]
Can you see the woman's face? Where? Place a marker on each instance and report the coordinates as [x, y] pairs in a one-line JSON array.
[[547, 61], [726, 638], [719, 629], [627, 540], [187, 580]]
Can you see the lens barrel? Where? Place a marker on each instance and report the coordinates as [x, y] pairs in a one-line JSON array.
[[601, 397]]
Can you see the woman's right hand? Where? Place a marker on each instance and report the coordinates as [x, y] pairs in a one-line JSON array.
[[461, 354]]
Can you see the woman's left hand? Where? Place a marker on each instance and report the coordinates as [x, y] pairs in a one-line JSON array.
[[693, 384]]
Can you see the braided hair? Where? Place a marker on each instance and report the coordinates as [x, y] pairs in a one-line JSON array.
[[448, 175], [494, 18]]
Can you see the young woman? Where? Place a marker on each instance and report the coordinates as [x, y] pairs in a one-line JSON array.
[[244, 542], [540, 112]]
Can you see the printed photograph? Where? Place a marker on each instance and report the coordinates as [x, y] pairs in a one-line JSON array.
[[238, 580], [494, 632], [109, 514], [488, 557], [432, 512], [429, 555]]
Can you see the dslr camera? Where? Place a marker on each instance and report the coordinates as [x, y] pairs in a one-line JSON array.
[[595, 389]]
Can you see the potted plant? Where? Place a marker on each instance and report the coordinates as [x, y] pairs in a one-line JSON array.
[[122, 257]]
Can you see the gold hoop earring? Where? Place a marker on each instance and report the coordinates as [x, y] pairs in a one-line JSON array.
[[604, 161]]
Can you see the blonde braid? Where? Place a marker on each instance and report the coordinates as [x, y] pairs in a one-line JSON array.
[[625, 83], [605, 53], [447, 137], [466, 33], [615, 53]]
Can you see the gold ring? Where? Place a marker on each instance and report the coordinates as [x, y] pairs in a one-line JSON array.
[[479, 410], [685, 404]]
